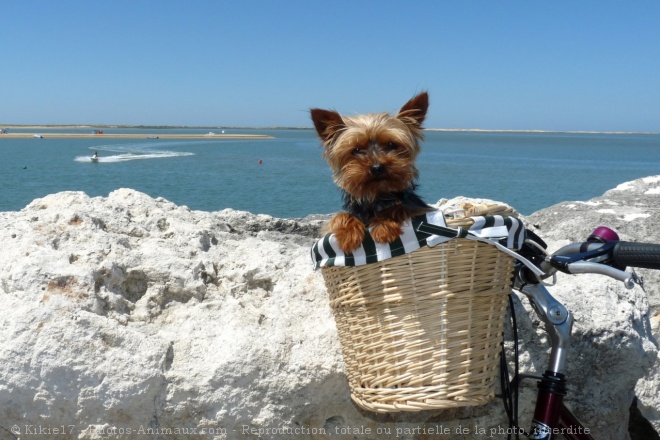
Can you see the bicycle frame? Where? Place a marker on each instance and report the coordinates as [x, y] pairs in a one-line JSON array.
[[551, 417]]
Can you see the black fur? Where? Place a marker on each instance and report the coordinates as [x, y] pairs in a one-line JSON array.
[[367, 211]]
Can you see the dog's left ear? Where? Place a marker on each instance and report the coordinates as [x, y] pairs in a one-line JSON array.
[[327, 123], [414, 111]]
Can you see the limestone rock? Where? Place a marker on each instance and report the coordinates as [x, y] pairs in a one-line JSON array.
[[128, 315], [633, 210]]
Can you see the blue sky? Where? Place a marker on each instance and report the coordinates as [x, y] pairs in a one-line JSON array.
[[560, 65]]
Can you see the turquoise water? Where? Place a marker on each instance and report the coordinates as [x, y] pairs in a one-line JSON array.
[[529, 171]]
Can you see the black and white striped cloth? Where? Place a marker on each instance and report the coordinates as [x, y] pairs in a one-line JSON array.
[[430, 229]]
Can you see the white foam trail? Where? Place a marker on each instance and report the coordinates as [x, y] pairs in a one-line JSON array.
[[140, 151]]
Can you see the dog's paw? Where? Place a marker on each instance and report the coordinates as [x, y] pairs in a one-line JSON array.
[[348, 230], [386, 231]]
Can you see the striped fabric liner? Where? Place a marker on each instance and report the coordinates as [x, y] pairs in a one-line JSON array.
[[507, 233]]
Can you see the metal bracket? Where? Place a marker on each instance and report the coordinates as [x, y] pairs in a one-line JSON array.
[[558, 321]]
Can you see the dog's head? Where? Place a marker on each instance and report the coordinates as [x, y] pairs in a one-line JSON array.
[[373, 154]]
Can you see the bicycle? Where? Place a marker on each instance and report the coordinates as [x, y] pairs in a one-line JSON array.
[[603, 253]]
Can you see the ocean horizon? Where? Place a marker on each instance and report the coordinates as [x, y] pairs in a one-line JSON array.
[[287, 177], [22, 128]]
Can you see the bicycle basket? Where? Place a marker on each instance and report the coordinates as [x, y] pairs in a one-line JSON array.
[[422, 330]]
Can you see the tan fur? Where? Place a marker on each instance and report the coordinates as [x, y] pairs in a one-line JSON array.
[[372, 156]]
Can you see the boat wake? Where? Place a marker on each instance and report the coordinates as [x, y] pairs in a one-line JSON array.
[[139, 151]]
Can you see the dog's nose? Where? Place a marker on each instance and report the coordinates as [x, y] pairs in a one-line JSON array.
[[377, 170]]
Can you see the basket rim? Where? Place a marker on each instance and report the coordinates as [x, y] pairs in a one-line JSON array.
[[430, 229]]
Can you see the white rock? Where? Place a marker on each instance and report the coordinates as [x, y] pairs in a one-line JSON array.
[[634, 212], [125, 314]]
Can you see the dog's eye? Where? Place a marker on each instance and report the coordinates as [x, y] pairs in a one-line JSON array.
[[358, 151], [391, 146]]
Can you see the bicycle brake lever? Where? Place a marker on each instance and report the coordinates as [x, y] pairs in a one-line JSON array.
[[561, 261], [580, 267]]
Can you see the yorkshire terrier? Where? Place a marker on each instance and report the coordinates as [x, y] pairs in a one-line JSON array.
[[372, 157]]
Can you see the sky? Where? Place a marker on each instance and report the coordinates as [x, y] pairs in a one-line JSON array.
[[517, 65]]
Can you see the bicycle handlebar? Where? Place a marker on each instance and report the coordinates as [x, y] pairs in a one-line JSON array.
[[619, 254], [608, 258], [632, 254]]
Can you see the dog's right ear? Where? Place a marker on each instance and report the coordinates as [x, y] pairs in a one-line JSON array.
[[327, 123]]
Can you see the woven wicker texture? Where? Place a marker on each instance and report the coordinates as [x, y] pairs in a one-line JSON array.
[[422, 330]]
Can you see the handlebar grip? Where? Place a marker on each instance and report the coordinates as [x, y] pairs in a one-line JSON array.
[[644, 255]]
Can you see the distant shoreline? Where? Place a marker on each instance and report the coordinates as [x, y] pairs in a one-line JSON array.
[[479, 130], [136, 127], [189, 127], [53, 135]]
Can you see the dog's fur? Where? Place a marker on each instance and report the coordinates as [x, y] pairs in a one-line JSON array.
[[372, 157]]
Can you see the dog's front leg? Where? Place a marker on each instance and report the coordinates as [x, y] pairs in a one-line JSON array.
[[387, 226], [349, 231], [385, 230]]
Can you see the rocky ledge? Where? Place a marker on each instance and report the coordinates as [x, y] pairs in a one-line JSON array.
[[126, 316]]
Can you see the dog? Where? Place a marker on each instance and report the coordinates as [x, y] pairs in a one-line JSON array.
[[372, 158]]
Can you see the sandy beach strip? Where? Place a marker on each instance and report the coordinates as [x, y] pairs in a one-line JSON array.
[[133, 136]]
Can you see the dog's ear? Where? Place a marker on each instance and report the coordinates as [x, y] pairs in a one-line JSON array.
[[327, 123], [414, 111]]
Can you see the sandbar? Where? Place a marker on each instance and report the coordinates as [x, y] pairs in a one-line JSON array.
[[133, 136]]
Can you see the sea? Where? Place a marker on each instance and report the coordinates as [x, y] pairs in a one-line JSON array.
[[287, 177]]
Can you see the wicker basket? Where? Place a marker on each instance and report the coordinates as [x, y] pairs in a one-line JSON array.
[[423, 330]]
